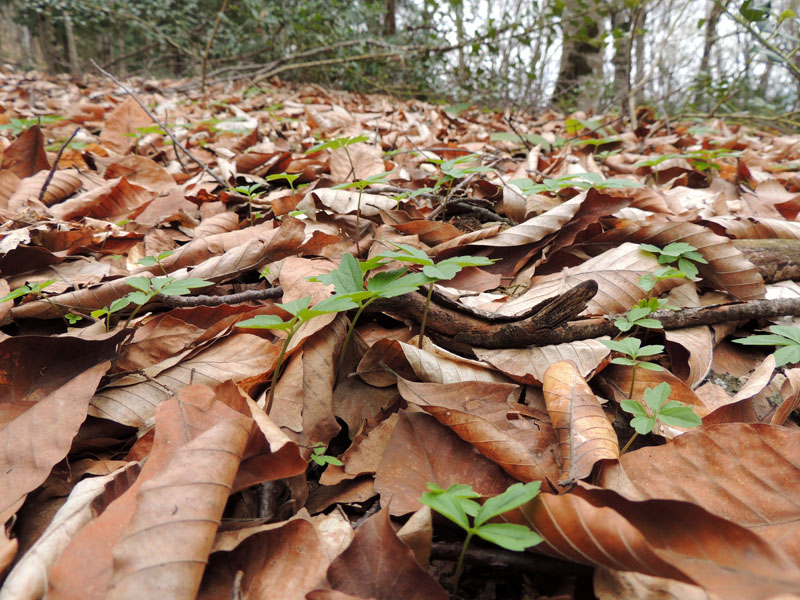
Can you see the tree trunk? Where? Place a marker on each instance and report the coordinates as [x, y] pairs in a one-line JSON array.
[[46, 42], [703, 74], [580, 75], [621, 21], [390, 18], [72, 51]]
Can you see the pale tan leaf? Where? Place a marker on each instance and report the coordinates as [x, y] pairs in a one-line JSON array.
[[240, 357], [345, 202], [616, 272], [527, 365], [691, 351]]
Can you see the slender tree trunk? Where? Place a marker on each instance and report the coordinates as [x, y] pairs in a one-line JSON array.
[[704, 75], [72, 51], [390, 18], [638, 44], [46, 41], [580, 74], [621, 22]]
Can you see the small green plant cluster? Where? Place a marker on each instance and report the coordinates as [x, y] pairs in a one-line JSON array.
[[146, 290], [319, 458], [17, 126], [31, 288], [577, 180], [457, 504], [640, 316], [352, 290], [787, 339], [702, 160]]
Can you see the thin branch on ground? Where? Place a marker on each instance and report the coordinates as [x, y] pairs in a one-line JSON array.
[[175, 140], [200, 300], [52, 172]]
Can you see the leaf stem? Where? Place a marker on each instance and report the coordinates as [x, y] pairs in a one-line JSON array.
[[460, 563], [278, 365], [425, 315], [633, 382], [350, 330], [630, 441]]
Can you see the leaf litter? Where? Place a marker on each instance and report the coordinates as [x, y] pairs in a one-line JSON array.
[[138, 456]]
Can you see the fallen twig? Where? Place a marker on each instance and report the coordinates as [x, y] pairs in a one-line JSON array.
[[52, 172], [175, 141], [200, 300]]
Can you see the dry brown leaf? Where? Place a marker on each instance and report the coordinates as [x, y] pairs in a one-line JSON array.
[[48, 428], [26, 155], [121, 124], [478, 412], [528, 365], [616, 272], [378, 565], [585, 434], [751, 477], [422, 451], [727, 268], [663, 538]]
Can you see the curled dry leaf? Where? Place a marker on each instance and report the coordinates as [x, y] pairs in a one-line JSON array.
[[28, 579], [585, 434], [48, 427], [663, 538], [616, 272], [727, 268]]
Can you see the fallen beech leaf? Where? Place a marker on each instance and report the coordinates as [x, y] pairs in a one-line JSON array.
[[419, 451], [752, 480], [286, 561], [194, 432], [26, 155], [478, 412], [585, 434], [378, 565], [528, 365], [119, 131], [663, 538], [28, 579], [48, 428]]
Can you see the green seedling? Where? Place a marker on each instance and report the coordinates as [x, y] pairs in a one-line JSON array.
[[702, 160], [457, 504], [453, 170], [72, 318], [685, 254], [361, 184], [788, 338], [251, 192], [671, 413], [146, 290], [17, 126], [106, 312], [149, 261], [348, 282], [633, 350], [318, 456], [288, 177], [531, 138], [301, 312], [638, 316], [31, 288], [578, 180], [340, 143], [432, 272]]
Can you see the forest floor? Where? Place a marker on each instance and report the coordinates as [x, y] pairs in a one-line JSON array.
[[155, 277]]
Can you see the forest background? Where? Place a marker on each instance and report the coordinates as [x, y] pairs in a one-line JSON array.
[[729, 58]]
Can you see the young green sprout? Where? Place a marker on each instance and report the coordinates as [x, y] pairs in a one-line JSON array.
[[671, 413], [432, 272], [457, 504], [301, 311]]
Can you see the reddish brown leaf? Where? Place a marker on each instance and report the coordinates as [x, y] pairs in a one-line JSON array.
[[26, 155], [378, 565], [585, 435]]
